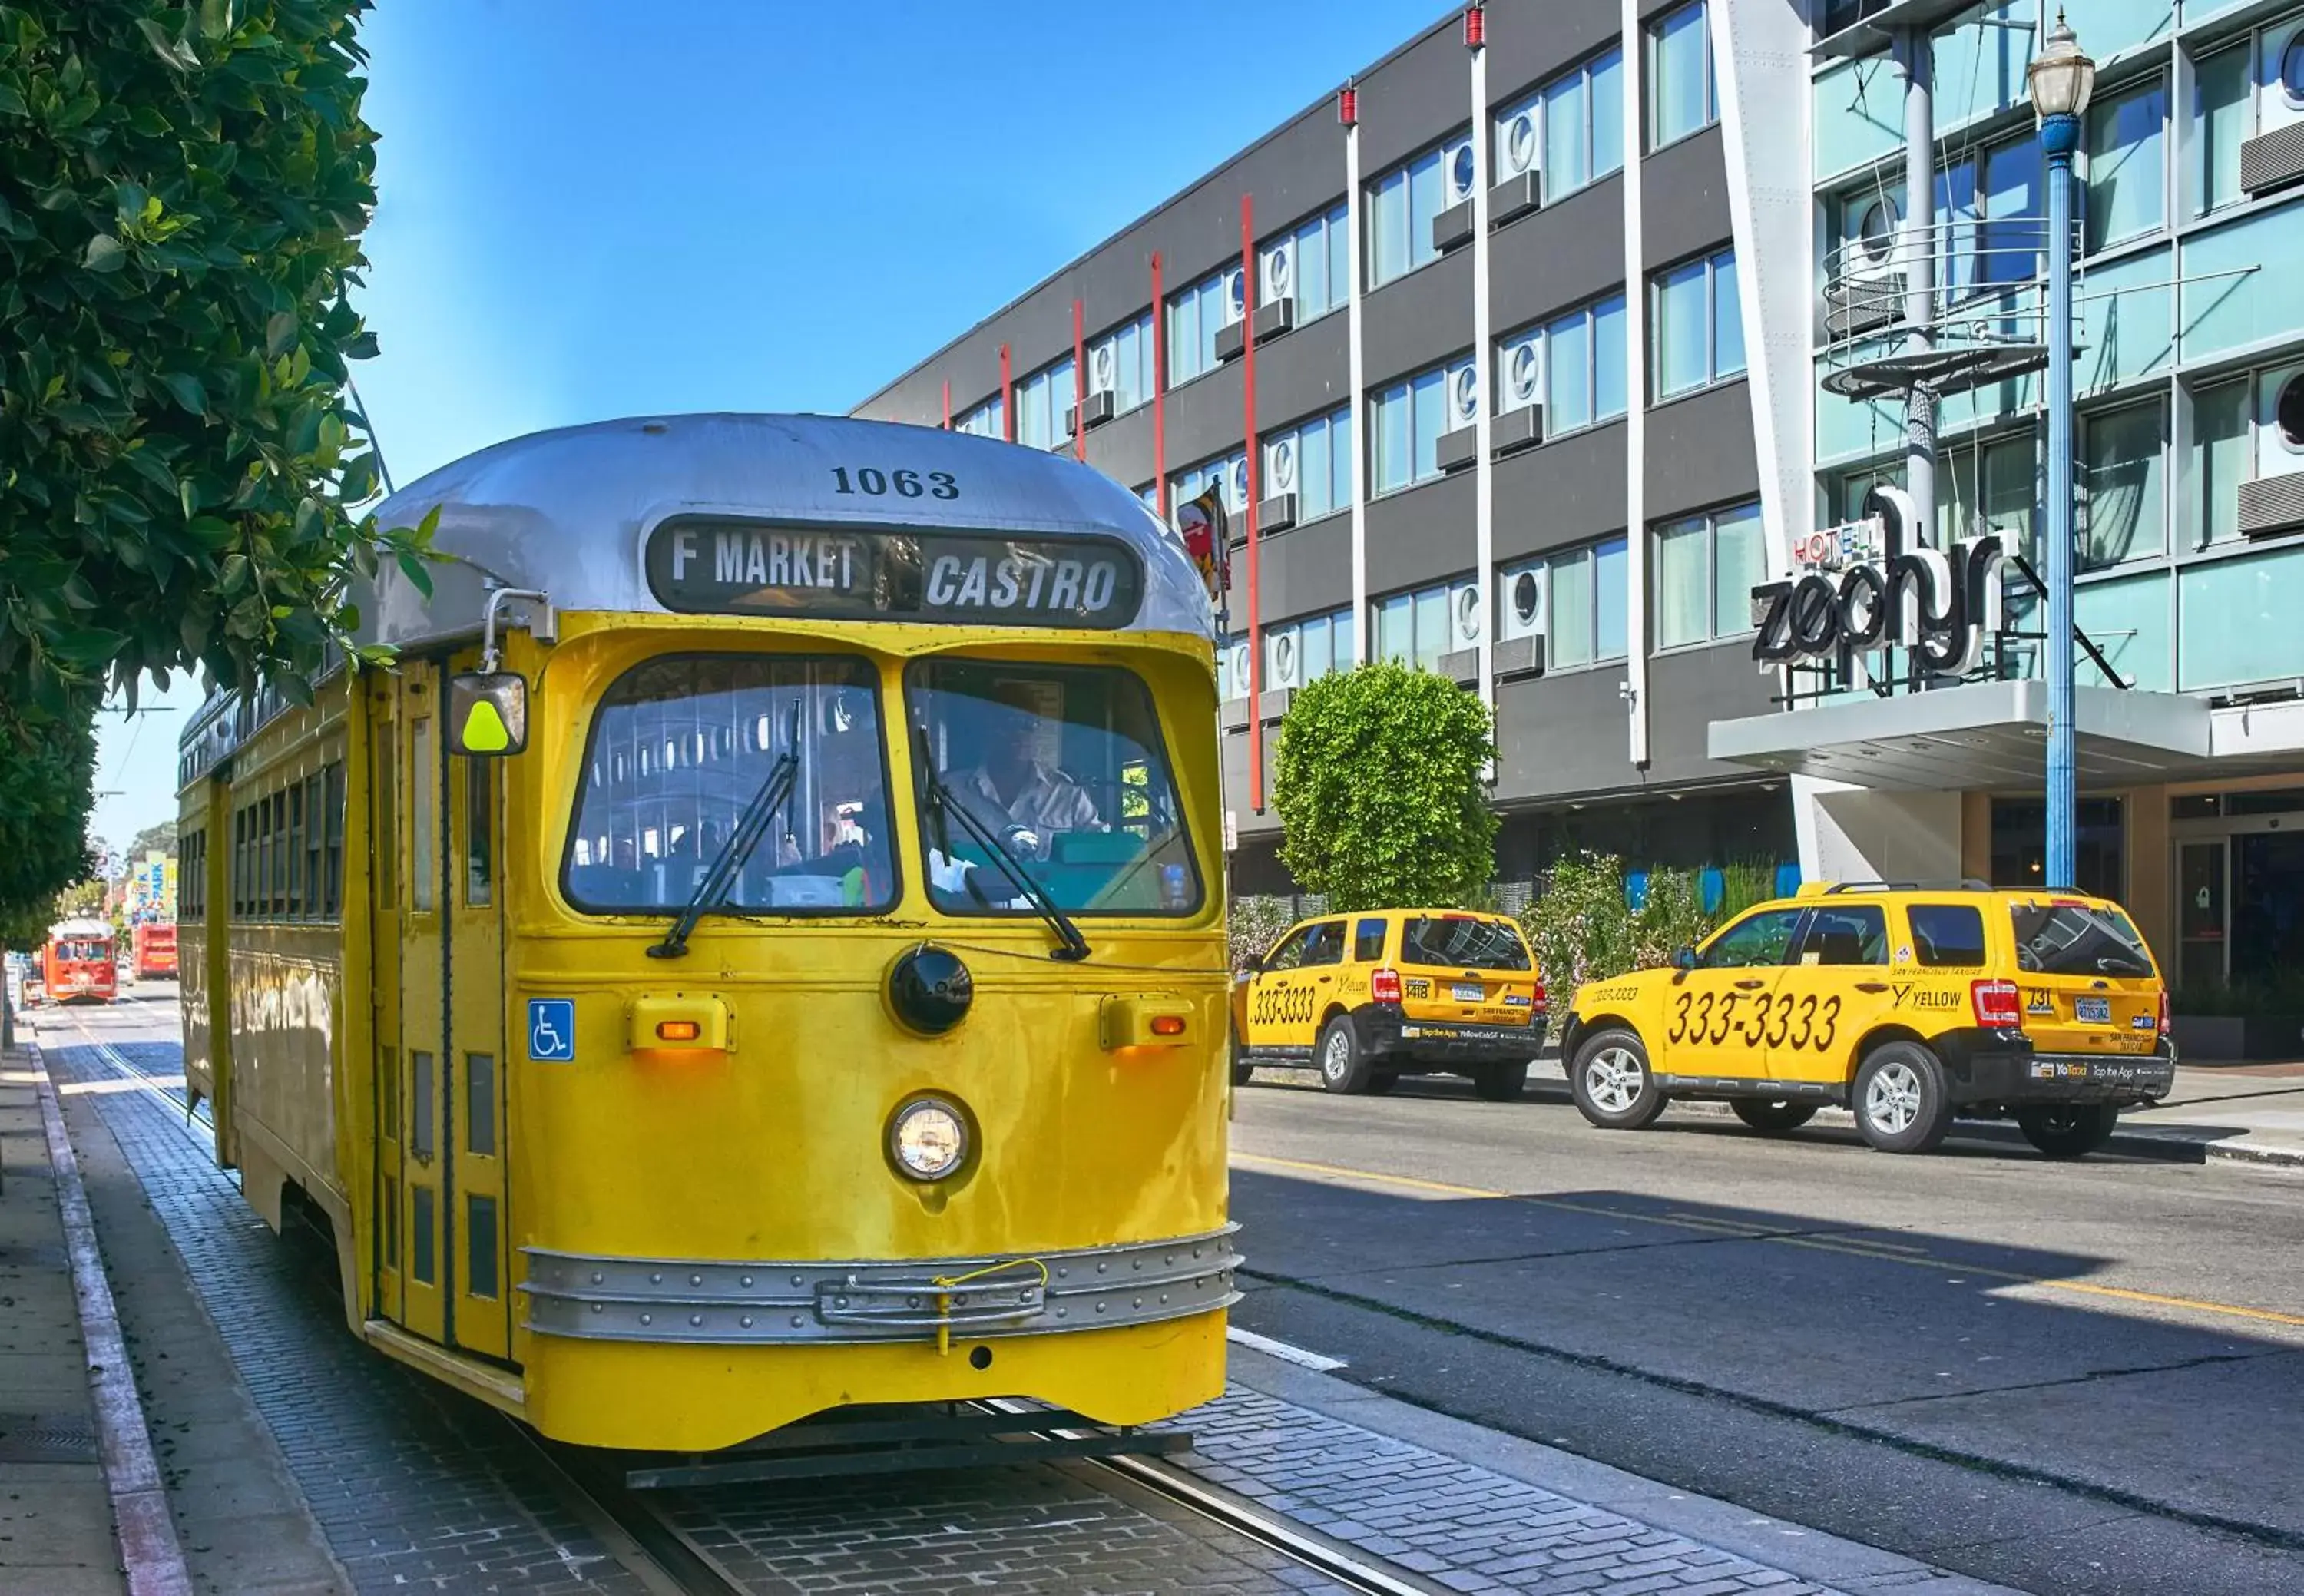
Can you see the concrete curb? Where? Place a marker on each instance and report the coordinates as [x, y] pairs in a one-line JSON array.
[[1841, 1565], [149, 1552], [2138, 1143]]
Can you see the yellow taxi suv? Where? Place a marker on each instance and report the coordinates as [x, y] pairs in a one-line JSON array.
[[1366, 998], [1908, 1005]]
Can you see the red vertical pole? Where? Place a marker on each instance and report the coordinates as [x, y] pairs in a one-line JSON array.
[[1079, 381], [1255, 487], [947, 404], [1159, 393], [1007, 399]]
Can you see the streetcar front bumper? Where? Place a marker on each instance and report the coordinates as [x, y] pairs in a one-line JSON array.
[[832, 1304]]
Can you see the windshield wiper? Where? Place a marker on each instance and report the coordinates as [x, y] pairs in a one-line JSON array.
[[712, 892], [942, 803]]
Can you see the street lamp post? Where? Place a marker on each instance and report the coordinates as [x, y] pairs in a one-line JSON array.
[[2061, 78]]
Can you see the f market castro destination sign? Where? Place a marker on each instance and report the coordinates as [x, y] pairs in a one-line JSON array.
[[720, 565]]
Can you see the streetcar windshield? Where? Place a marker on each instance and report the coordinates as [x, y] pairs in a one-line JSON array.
[[83, 950], [1064, 766], [682, 745]]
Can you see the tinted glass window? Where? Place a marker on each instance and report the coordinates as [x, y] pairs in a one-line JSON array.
[[1289, 951], [1368, 942], [1327, 944], [1857, 934], [1947, 935], [1065, 765], [1757, 939], [2075, 939], [680, 749], [1460, 942]]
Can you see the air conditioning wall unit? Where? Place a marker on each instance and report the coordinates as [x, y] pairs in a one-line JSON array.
[[1095, 413], [1519, 394], [1452, 227], [1518, 188], [1285, 656], [1867, 288], [2272, 502], [1279, 276], [1459, 446], [2275, 157]]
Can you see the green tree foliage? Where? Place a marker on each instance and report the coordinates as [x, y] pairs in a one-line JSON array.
[[183, 188], [1582, 928], [160, 838], [48, 780], [1381, 789]]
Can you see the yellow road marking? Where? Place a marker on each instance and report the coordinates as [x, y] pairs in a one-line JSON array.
[[1878, 1252]]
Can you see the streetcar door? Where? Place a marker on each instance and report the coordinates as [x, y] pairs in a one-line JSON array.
[[474, 1139], [382, 811], [415, 1039]]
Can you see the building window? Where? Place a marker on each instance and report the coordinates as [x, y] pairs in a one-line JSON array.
[[1410, 415], [1587, 589], [1043, 400], [1297, 652], [1229, 472], [1311, 266], [1705, 569], [1314, 461], [1416, 628], [1195, 318], [1120, 363], [2121, 490], [2224, 444], [1681, 96], [2126, 138], [1987, 487], [1572, 128], [1697, 335], [2221, 124], [1402, 203], [1574, 364], [988, 420]]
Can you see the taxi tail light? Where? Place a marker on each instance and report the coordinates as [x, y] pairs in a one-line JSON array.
[[1384, 985], [2166, 1024], [1998, 1004], [1542, 999]]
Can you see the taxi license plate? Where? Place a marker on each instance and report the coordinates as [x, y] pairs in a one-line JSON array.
[[1468, 991], [2093, 1011]]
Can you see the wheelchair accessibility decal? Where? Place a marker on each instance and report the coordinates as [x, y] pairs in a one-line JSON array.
[[552, 1029]]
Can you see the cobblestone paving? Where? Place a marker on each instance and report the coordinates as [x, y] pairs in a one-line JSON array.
[[1464, 1527], [420, 1489]]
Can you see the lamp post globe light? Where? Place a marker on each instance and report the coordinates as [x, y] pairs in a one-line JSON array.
[[2061, 78]]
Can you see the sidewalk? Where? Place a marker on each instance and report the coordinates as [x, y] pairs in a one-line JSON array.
[[56, 1527], [2246, 1113]]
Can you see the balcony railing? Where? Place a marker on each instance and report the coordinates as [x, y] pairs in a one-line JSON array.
[[1986, 307]]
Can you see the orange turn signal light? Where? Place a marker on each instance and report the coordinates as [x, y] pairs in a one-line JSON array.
[[677, 1031], [1167, 1024]]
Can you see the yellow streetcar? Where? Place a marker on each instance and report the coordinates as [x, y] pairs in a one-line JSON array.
[[762, 950]]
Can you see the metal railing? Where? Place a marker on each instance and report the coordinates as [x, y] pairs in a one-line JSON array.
[[1986, 305]]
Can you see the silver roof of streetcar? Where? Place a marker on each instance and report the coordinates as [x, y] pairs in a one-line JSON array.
[[570, 511]]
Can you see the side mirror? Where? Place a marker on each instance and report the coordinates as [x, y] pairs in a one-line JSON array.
[[487, 714], [1685, 959]]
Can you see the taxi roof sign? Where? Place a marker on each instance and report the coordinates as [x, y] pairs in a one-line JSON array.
[[487, 714]]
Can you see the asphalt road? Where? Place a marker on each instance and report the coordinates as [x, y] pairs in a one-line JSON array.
[[2063, 1377]]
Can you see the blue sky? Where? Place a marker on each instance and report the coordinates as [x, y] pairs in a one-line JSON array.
[[589, 209]]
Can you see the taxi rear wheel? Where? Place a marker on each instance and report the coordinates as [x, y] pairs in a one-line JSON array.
[[1499, 1083], [1344, 1067], [1772, 1118], [2068, 1130], [1903, 1101], [1613, 1086]]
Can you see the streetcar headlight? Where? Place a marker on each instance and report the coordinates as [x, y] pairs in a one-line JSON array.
[[928, 1139]]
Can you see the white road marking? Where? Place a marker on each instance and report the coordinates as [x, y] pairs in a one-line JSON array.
[[1286, 1354]]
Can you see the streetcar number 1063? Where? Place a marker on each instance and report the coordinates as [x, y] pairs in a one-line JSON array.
[[903, 483]]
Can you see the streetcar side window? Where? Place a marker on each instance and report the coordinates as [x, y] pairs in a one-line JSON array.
[[682, 748], [1066, 766]]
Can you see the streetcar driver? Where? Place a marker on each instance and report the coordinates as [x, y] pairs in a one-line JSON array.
[[1008, 786]]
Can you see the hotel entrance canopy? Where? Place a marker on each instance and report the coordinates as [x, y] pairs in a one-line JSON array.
[[1981, 735]]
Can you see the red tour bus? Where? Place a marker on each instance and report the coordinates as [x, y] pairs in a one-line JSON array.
[[154, 943], [77, 964]]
